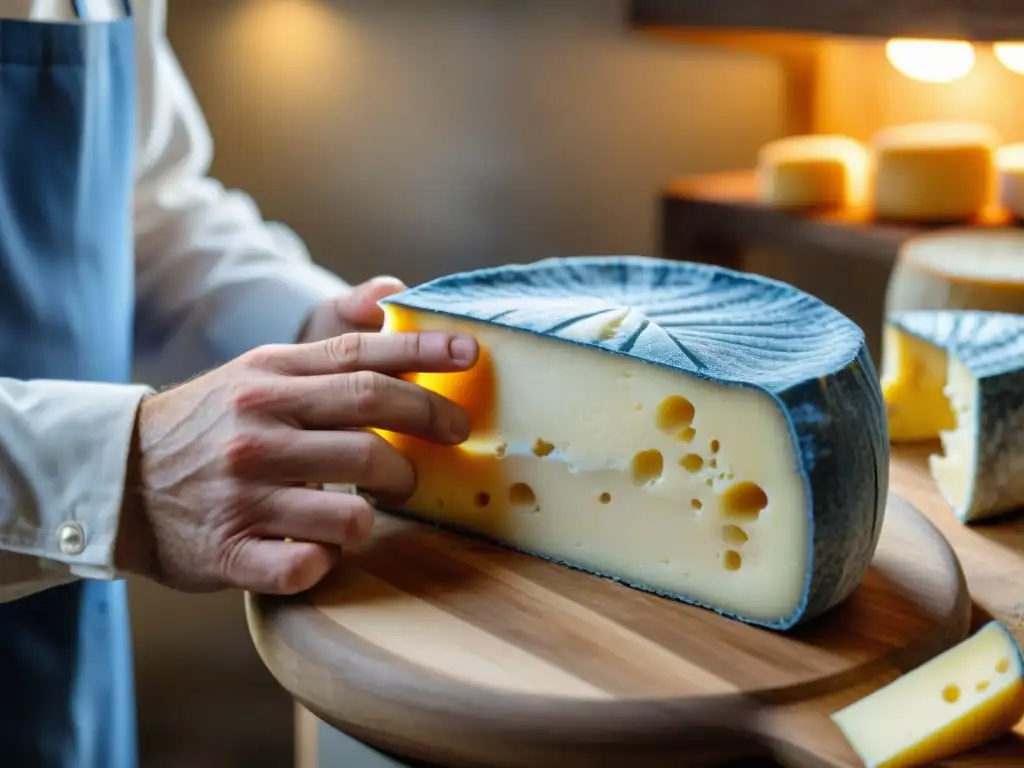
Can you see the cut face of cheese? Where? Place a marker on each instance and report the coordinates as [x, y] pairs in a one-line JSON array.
[[959, 377], [808, 172], [913, 380], [959, 269], [968, 695], [700, 433], [934, 172]]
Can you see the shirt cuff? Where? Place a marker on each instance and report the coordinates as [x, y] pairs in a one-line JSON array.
[[65, 447]]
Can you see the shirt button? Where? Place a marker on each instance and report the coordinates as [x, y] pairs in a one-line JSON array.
[[71, 538]]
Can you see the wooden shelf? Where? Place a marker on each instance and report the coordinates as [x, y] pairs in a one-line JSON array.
[[842, 258], [977, 20]]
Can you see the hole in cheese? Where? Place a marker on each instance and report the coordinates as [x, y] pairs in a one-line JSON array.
[[734, 534], [981, 686], [709, 482], [647, 467], [542, 448], [1003, 665], [713, 463], [744, 500], [482, 499], [499, 450], [732, 560], [691, 462], [674, 414], [522, 495], [714, 446], [951, 693], [605, 498], [695, 503], [687, 434]]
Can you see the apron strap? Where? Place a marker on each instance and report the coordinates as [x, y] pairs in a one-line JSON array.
[[80, 13]]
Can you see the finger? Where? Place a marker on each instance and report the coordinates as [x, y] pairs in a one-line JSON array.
[[360, 307], [275, 567], [344, 457], [324, 517], [391, 353], [368, 399]]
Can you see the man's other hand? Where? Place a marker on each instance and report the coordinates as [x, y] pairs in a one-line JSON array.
[[355, 310]]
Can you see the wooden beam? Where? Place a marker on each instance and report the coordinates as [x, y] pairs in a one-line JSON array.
[[976, 20]]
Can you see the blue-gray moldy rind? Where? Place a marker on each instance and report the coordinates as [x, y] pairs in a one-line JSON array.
[[991, 346], [732, 328]]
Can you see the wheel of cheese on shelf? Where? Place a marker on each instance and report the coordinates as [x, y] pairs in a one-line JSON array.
[[812, 172], [1010, 175], [934, 172], [959, 269]]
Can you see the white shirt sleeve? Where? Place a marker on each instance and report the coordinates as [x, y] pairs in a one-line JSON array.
[[63, 457], [213, 278]]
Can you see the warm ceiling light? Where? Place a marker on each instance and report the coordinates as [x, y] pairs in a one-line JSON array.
[[1011, 55], [931, 61]]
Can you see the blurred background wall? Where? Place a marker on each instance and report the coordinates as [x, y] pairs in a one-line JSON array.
[[417, 138]]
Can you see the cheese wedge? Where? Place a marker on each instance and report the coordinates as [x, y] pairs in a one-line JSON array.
[[934, 172], [703, 434], [913, 383], [1010, 178], [812, 172], [962, 698], [959, 377], [959, 269]]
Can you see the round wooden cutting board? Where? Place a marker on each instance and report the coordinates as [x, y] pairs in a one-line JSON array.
[[447, 649]]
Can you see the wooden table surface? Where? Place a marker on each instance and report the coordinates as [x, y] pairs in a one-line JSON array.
[[992, 558]]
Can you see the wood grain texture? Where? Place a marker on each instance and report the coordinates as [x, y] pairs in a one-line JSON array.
[[473, 654], [979, 20]]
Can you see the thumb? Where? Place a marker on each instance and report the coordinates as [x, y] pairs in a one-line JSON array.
[[360, 306]]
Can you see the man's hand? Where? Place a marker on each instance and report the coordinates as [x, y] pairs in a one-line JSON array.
[[355, 310], [217, 480]]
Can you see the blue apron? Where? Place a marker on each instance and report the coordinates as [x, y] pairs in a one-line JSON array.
[[67, 143]]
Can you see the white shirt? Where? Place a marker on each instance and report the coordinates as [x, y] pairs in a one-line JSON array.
[[213, 279]]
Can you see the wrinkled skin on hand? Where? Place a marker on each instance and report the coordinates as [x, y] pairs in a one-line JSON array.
[[221, 465]]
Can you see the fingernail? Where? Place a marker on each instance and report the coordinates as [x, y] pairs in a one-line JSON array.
[[462, 349]]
